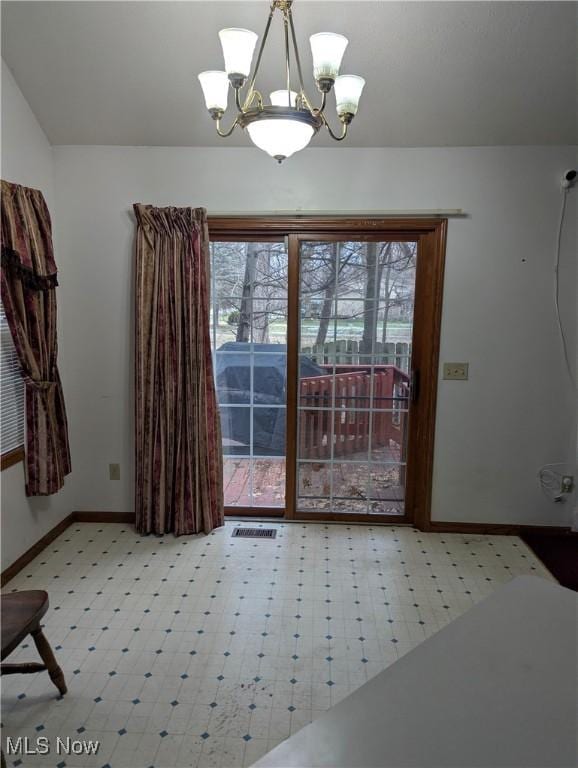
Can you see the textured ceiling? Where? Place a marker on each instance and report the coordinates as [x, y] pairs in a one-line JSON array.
[[438, 74]]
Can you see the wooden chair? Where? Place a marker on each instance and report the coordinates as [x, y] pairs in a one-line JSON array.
[[21, 614]]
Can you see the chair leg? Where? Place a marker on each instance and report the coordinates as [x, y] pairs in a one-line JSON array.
[[45, 651]]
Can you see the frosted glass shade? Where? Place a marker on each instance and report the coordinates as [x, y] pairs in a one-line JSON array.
[[327, 49], [347, 92], [280, 138], [215, 87], [280, 98], [238, 46]]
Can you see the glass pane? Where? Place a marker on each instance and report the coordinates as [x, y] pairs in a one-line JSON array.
[[269, 378], [228, 269], [314, 505], [396, 291], [392, 323], [390, 388], [356, 273], [315, 384], [268, 323], [345, 269], [350, 506], [233, 377], [314, 430], [314, 480], [387, 439], [387, 487], [350, 481], [317, 324], [318, 305], [353, 388], [269, 482], [355, 341], [249, 269], [268, 431], [357, 326], [225, 322], [270, 270], [237, 482], [236, 431], [390, 507], [386, 480], [318, 269], [351, 434], [249, 336]]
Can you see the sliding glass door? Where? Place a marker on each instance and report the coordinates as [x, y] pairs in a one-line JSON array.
[[325, 344], [249, 341], [355, 330]]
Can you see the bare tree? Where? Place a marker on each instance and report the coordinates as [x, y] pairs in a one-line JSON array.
[[399, 280], [244, 323], [250, 285], [264, 285], [369, 302], [329, 295]]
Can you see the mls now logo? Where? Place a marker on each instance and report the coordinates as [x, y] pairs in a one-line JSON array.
[[23, 745]]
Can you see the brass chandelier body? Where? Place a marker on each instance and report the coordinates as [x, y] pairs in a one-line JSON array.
[[252, 108]]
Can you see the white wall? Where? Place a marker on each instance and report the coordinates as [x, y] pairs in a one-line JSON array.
[[27, 160], [516, 412]]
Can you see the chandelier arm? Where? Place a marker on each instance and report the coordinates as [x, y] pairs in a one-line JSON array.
[[333, 135], [225, 134], [238, 100], [259, 55], [256, 95], [320, 109]]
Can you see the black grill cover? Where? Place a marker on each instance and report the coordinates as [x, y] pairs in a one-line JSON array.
[[233, 382]]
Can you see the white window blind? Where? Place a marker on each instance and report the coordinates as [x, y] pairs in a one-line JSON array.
[[12, 391]]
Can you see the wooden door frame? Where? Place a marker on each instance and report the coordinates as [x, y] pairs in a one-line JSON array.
[[430, 235]]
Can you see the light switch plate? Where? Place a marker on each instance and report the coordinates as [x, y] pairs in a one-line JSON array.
[[114, 471], [456, 371]]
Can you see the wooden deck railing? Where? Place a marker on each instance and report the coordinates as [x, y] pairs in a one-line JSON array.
[[352, 427]]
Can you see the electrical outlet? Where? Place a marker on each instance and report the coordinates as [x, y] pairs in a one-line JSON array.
[[114, 471], [456, 371]]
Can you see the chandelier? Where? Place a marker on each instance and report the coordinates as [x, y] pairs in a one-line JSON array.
[[290, 121]]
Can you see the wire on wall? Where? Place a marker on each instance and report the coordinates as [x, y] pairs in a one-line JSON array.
[[551, 478], [557, 288]]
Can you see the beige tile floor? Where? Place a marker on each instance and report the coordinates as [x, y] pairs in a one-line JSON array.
[[210, 650]]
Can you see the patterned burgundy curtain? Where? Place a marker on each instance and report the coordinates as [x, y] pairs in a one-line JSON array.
[[29, 298], [179, 475]]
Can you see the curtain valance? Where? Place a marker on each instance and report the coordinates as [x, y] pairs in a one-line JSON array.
[[29, 279], [27, 236]]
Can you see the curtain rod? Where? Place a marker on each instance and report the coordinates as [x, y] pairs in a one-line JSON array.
[[344, 214]]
